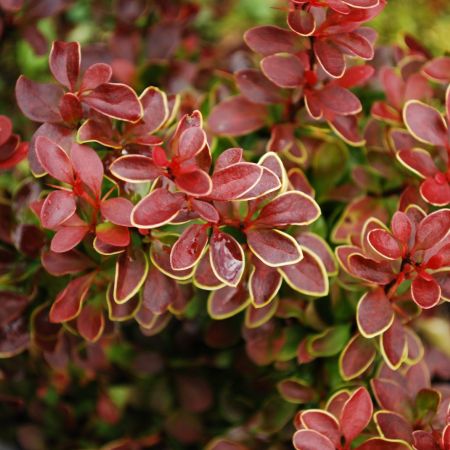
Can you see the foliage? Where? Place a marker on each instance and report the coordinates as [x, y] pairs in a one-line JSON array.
[[225, 245]]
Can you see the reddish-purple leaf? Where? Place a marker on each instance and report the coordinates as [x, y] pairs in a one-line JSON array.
[[5, 129], [393, 342], [392, 396], [160, 257], [131, 271], [59, 264], [234, 181], [319, 246], [189, 247], [70, 109], [114, 235], [355, 44], [69, 301], [124, 311], [134, 168], [347, 128], [417, 160], [117, 210], [330, 58], [39, 102], [268, 183], [401, 227], [374, 313], [432, 229], [236, 116], [436, 192], [54, 160], [256, 87], [274, 247], [426, 293], [115, 100], [307, 276], [227, 258], [191, 142], [370, 270], [393, 426], [57, 208], [285, 70], [68, 237], [90, 323], [204, 276], [384, 243], [158, 291], [156, 209], [268, 40], [383, 444], [196, 182], [88, 166], [438, 69], [227, 302], [339, 101], [311, 440], [290, 208], [64, 62], [356, 357], [322, 422], [205, 210], [264, 283], [355, 76], [356, 414], [301, 22], [228, 157], [95, 75], [156, 110], [425, 123]]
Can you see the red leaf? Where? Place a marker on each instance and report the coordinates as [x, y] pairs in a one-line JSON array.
[[90, 323], [285, 70], [435, 192], [356, 414], [383, 444], [68, 237], [189, 247], [347, 128], [196, 182], [393, 426], [70, 109], [311, 440], [160, 257], [227, 302], [393, 343], [339, 101], [111, 234], [69, 301], [227, 158], [64, 62], [124, 311], [227, 258], [191, 142], [205, 210], [370, 270], [54, 160], [156, 111], [57, 208], [204, 276], [374, 313], [156, 209], [115, 100], [426, 293], [385, 244], [39, 102], [131, 271], [356, 357], [5, 129], [256, 87], [268, 40], [401, 227], [290, 208], [425, 123], [322, 422], [432, 229], [268, 183], [59, 264], [236, 116], [264, 283], [330, 58], [158, 291], [438, 69], [417, 160], [355, 76], [355, 44], [117, 210], [273, 247], [392, 396], [134, 168], [95, 75], [319, 246], [307, 276], [301, 22], [89, 167], [234, 181]]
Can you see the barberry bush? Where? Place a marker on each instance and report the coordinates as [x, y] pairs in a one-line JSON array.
[[222, 240]]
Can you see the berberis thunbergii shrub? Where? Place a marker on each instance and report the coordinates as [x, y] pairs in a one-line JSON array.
[[225, 244]]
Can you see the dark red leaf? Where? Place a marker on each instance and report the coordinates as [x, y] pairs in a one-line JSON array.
[[95, 75], [301, 21], [5, 129], [191, 142], [90, 323], [322, 422], [432, 229], [196, 182], [189, 247], [384, 243], [227, 302], [114, 235], [68, 237], [393, 342], [370, 270], [393, 426], [54, 160], [426, 293], [330, 58], [311, 440], [264, 283], [268, 40], [158, 291], [374, 313], [356, 357], [256, 87], [64, 62], [205, 210], [65, 263], [117, 210], [57, 208], [285, 70]]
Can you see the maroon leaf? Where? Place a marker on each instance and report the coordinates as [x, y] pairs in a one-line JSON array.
[[124, 311], [64, 62], [227, 302], [274, 247], [330, 58], [156, 111], [384, 243], [95, 75], [196, 182], [59, 264], [234, 181], [39, 102], [307, 276], [189, 247], [355, 44], [438, 69], [268, 183], [114, 235], [383, 444], [191, 142], [356, 357], [158, 291], [131, 271], [117, 210], [435, 192], [115, 100], [393, 344], [319, 246], [236, 116], [70, 108], [426, 293], [156, 209], [285, 70], [68, 237], [205, 210], [432, 229], [370, 270], [311, 440], [264, 283], [54, 160], [69, 301], [417, 160], [374, 313], [228, 157], [256, 87], [339, 101], [88, 166], [322, 422], [425, 123], [134, 168], [57, 208], [356, 414], [227, 258], [355, 76], [393, 426], [290, 208], [401, 227], [5, 129], [268, 40], [347, 128], [302, 22], [90, 323]]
